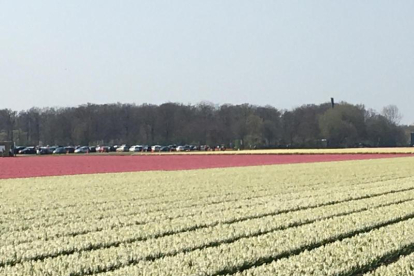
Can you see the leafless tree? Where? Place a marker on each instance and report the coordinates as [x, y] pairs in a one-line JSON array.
[[392, 113]]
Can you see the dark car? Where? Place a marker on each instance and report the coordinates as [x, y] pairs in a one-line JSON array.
[[92, 149], [18, 148], [42, 150], [172, 147], [70, 149], [28, 150], [165, 149], [59, 150]]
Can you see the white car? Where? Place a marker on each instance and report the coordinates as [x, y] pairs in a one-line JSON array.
[[136, 148], [122, 148], [155, 148], [43, 150], [82, 150], [180, 148]]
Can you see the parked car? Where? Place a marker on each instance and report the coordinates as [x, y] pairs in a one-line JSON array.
[[220, 148], [137, 148], [104, 149], [156, 148], [165, 149], [18, 148], [204, 147], [42, 150], [60, 150], [70, 149], [28, 150], [83, 149], [123, 148], [180, 148], [146, 148], [92, 149]]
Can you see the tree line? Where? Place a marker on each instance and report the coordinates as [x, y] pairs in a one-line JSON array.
[[244, 125]]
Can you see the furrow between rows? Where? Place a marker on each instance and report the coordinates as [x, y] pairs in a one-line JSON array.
[[251, 252], [42, 238], [400, 263], [140, 216], [180, 202], [344, 180], [188, 241], [351, 256]]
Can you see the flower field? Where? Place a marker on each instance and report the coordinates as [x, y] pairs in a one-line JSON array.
[[328, 218], [400, 150], [21, 167]]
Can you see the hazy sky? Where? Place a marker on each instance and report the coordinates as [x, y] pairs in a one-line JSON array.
[[281, 53]]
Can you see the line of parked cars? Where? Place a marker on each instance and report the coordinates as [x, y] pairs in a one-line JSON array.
[[44, 150], [169, 148], [122, 148]]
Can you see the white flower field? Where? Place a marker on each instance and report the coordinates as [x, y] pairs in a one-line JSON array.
[[331, 218]]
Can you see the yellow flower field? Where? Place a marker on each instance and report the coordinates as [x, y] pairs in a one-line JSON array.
[[405, 150], [331, 218]]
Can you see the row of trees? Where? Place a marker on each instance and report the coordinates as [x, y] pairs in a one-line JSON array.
[[245, 125]]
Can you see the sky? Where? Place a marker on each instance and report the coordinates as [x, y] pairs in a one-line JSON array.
[[56, 53]]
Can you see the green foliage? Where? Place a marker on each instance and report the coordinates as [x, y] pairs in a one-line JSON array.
[[343, 125]]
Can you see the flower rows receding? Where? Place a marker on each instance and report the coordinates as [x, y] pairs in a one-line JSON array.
[[217, 249], [244, 253], [223, 231], [350, 256], [402, 266], [208, 214], [21, 221], [257, 187], [117, 187], [43, 243], [40, 195]]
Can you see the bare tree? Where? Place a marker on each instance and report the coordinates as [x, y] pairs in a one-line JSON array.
[[205, 123], [392, 113]]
